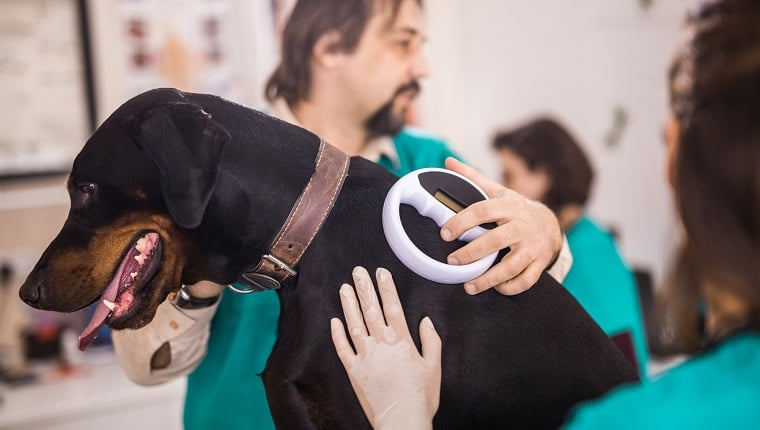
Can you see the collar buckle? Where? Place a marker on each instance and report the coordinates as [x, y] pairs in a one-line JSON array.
[[279, 264]]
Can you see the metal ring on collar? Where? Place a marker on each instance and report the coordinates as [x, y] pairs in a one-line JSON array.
[[254, 282], [241, 290]]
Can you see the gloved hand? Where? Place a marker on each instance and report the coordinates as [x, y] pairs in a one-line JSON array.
[[528, 228], [396, 386]]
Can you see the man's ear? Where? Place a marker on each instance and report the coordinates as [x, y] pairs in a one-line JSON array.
[[672, 142], [186, 145], [326, 52]]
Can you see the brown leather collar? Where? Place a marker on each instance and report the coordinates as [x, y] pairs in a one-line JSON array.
[[304, 221]]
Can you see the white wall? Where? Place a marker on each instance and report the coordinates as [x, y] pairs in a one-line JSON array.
[[496, 63]]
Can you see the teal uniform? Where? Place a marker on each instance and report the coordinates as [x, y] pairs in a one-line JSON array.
[[604, 286], [225, 391], [719, 389]]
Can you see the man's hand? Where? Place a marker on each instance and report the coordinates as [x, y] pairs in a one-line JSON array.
[[528, 228], [396, 386]]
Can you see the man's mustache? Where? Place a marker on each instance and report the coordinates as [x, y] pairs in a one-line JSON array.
[[413, 86]]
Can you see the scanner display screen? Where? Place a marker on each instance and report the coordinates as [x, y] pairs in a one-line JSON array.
[[448, 201]]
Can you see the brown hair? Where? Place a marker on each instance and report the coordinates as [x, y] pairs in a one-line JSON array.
[[309, 20], [544, 143], [715, 95]]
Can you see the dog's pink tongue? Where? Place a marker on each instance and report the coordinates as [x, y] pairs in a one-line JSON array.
[[101, 312], [96, 322]]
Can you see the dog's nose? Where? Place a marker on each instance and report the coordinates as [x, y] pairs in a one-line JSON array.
[[30, 293]]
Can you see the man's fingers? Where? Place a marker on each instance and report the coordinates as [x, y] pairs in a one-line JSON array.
[[521, 282], [500, 210], [469, 172], [353, 314], [491, 241], [342, 347], [431, 342], [394, 314], [511, 266], [365, 289], [477, 213]]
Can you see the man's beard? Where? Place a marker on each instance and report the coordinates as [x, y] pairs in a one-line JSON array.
[[385, 122]]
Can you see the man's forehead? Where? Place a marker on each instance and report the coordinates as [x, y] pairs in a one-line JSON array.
[[405, 17]]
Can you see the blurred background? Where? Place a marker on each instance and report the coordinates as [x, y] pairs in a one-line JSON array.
[[598, 65]]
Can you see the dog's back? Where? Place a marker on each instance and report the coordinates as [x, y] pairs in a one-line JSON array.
[[508, 362]]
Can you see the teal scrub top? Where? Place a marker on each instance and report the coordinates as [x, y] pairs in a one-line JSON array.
[[605, 287], [719, 389], [226, 391]]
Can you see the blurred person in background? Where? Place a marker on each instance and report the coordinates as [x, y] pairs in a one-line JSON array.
[[712, 301], [542, 161], [349, 73]]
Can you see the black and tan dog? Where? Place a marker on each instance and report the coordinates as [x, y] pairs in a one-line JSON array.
[[176, 188]]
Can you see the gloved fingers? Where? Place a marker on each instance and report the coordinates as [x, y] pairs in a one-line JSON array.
[[431, 342], [354, 319], [346, 354], [370, 305], [394, 313]]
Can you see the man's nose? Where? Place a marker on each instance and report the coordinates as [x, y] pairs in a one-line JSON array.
[[420, 67]]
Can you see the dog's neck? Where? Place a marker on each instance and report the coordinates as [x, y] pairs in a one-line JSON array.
[[282, 159], [303, 223]]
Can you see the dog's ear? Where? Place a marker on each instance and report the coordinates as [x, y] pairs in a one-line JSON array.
[[186, 145]]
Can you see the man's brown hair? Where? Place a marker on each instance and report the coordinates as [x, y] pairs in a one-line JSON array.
[[309, 20]]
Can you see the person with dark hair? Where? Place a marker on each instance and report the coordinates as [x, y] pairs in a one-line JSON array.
[[712, 304], [349, 72], [542, 161]]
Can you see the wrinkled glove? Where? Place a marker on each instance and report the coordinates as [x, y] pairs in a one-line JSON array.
[[396, 386]]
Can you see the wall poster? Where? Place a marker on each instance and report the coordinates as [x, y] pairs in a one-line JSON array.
[[44, 110], [220, 47]]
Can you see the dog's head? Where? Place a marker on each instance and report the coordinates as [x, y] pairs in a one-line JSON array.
[[138, 189]]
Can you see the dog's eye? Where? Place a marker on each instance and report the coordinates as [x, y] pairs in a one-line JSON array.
[[87, 188], [82, 194]]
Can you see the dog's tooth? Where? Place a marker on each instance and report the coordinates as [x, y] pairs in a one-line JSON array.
[[140, 245], [133, 275], [109, 304], [140, 259]]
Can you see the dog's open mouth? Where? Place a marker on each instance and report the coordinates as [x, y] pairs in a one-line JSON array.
[[136, 269]]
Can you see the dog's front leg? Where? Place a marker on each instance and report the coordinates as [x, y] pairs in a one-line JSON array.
[[289, 409], [308, 394]]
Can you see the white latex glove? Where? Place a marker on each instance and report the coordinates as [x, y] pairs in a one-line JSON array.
[[528, 227], [396, 386]]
